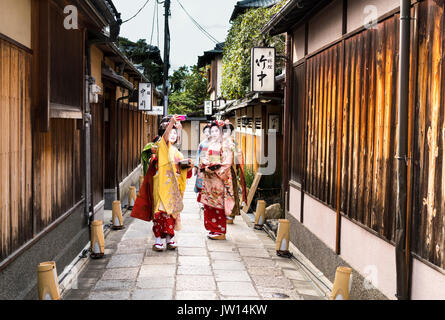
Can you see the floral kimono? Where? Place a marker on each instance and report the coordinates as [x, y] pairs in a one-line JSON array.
[[160, 198], [217, 194]]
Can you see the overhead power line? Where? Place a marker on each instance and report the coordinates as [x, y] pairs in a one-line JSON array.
[[137, 12], [153, 23], [208, 35]]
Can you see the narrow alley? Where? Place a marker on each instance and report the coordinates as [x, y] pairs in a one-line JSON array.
[[243, 267]]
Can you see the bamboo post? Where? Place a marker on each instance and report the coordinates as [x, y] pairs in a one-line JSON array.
[[117, 215], [47, 281], [260, 214], [282, 242], [97, 239], [342, 284], [131, 197]]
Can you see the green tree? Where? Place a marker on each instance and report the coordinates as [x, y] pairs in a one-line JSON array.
[[245, 34], [188, 90], [147, 56]]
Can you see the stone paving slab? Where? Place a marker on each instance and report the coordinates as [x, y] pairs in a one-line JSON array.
[[242, 267], [204, 270], [228, 265], [237, 289], [266, 272], [193, 261], [153, 294], [257, 253], [195, 283], [150, 270], [232, 275], [192, 251], [126, 260], [121, 274], [196, 295], [113, 285], [272, 282], [223, 255], [155, 282], [159, 259], [109, 295]]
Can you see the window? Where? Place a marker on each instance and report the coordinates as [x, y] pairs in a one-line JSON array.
[[66, 66]]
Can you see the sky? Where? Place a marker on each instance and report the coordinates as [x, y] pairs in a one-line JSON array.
[[187, 41]]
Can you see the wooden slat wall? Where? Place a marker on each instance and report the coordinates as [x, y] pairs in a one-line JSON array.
[[369, 127], [130, 141], [429, 136], [368, 102], [58, 177], [323, 75], [15, 149]]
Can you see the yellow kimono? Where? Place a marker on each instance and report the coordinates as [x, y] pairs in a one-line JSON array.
[[168, 184]]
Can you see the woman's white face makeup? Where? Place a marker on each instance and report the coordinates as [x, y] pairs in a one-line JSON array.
[[173, 136], [227, 133], [215, 133], [207, 133]]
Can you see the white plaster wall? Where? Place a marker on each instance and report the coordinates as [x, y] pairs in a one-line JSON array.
[[298, 44], [320, 220], [428, 284], [372, 257], [357, 17], [294, 202], [15, 20], [326, 26]]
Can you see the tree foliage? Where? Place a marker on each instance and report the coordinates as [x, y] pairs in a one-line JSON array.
[[242, 37], [188, 90], [147, 56]]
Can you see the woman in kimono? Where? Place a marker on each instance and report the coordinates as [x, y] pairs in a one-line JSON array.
[[202, 150], [237, 168], [161, 194], [217, 192]]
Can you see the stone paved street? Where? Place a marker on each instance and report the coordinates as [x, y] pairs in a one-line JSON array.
[[244, 266]]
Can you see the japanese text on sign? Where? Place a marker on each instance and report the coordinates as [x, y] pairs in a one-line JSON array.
[[208, 108], [145, 97], [263, 70]]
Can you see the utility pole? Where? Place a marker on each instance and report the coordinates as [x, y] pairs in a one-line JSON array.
[[166, 54]]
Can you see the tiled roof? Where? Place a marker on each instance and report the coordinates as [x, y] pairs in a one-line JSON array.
[[209, 55], [244, 5]]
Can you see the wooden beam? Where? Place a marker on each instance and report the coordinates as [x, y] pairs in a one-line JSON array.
[[44, 70], [252, 191]]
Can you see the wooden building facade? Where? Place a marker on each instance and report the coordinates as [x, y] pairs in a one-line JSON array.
[[342, 102], [43, 150]]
